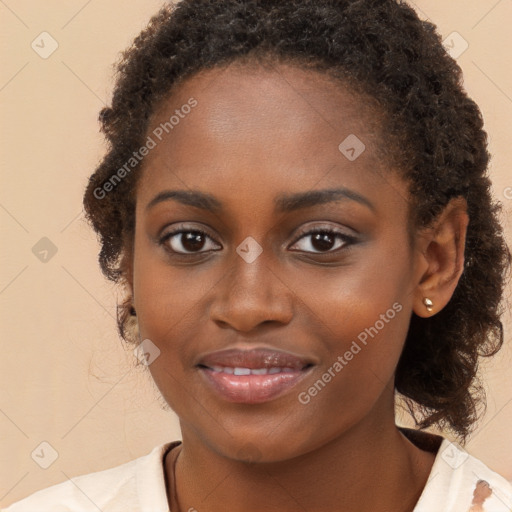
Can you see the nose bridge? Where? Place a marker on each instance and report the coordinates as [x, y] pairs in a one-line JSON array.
[[251, 292], [251, 270]]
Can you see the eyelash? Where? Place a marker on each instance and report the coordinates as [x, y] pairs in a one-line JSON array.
[[347, 239]]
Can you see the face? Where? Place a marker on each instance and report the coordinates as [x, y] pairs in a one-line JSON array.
[[242, 259]]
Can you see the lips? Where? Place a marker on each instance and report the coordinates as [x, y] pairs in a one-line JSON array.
[[254, 359], [252, 376]]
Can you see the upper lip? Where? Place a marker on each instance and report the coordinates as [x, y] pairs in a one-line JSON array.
[[254, 358]]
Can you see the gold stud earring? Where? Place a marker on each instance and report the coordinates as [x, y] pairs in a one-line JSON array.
[[428, 304]]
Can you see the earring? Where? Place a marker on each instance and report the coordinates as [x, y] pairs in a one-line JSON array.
[[428, 304], [132, 311]]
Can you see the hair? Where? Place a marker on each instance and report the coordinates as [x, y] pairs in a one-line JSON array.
[[381, 50]]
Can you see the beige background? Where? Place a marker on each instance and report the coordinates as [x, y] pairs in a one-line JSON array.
[[65, 377]]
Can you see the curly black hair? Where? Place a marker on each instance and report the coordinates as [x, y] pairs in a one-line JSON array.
[[380, 50]]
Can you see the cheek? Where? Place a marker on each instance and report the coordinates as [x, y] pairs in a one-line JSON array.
[[354, 316], [363, 328], [363, 333], [362, 314], [171, 304], [167, 297]]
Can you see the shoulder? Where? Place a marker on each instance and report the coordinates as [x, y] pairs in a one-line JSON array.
[[459, 480], [126, 487]]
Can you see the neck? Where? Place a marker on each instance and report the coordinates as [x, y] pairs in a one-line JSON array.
[[369, 467]]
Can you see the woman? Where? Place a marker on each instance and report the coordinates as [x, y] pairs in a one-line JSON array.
[[295, 198]]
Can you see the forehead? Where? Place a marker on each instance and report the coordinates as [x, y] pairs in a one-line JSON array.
[[244, 98], [257, 129]]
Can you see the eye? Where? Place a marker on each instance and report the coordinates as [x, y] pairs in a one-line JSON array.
[[325, 240], [186, 241], [195, 241]]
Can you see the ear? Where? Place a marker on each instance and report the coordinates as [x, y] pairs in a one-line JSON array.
[[440, 253]]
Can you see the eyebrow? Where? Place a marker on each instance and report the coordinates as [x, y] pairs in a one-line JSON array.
[[284, 203]]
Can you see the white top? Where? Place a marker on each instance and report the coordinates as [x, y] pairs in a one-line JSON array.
[[139, 486]]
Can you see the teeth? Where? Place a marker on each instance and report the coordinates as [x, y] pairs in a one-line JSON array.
[[250, 371], [242, 371], [259, 371]]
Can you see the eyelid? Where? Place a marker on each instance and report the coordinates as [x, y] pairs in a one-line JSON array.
[[165, 236], [174, 229], [324, 227], [303, 232], [337, 233]]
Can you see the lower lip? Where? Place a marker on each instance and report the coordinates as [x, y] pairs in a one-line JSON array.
[[252, 389]]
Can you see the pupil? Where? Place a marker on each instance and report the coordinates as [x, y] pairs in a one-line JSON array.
[[191, 239], [195, 240], [323, 241]]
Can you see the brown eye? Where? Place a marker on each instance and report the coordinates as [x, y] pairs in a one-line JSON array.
[[187, 241], [324, 240]]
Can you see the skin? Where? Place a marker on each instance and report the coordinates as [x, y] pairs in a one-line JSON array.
[[255, 134], [480, 494]]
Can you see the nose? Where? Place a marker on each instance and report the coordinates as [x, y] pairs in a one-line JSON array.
[[250, 294]]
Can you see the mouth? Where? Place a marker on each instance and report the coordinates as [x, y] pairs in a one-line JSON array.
[[253, 376]]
